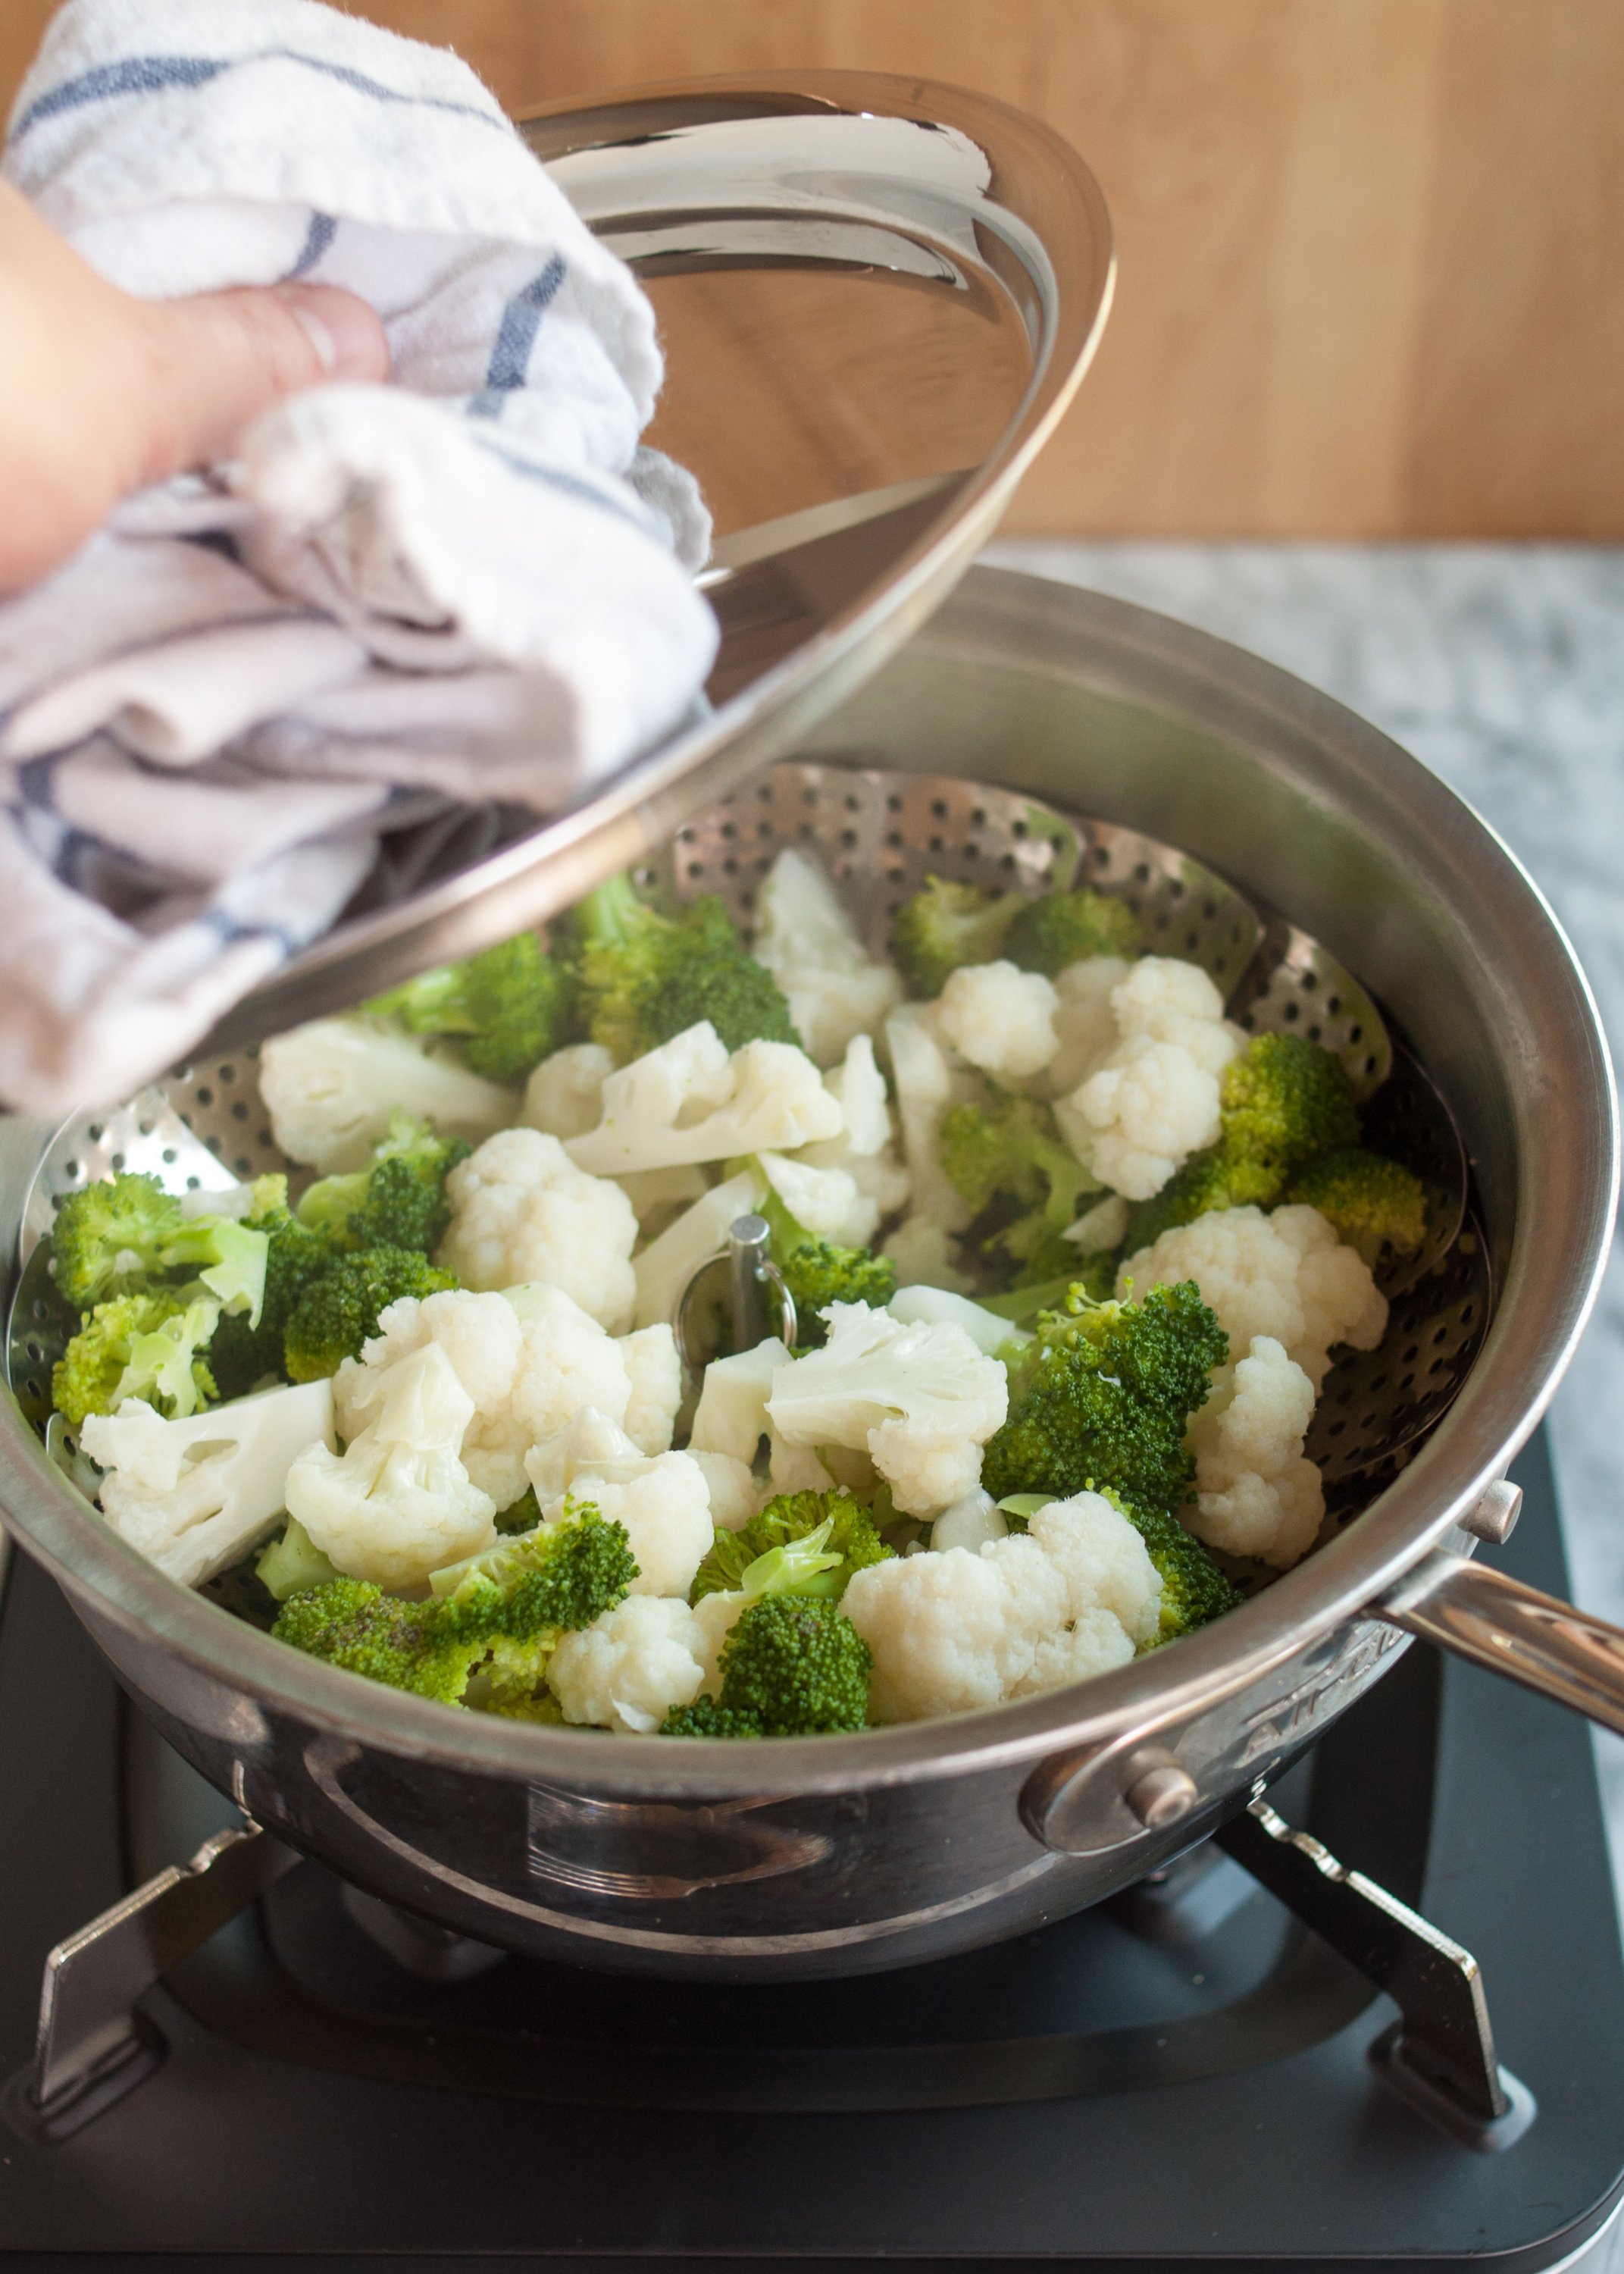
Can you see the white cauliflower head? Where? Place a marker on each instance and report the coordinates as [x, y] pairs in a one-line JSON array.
[[663, 1502], [1168, 1000], [631, 1665], [1001, 1018], [924, 1256], [824, 1202], [1153, 1100], [332, 1088], [864, 1149], [689, 1102], [956, 1629], [1256, 1493], [927, 1083], [522, 1212], [731, 1413], [398, 1504], [810, 944], [735, 1496], [193, 1496], [564, 1094], [1286, 1276], [921, 1400], [530, 1360], [1085, 1030]]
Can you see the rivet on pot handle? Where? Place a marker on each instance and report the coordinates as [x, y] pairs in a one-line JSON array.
[[1089, 1802], [1546, 1645]]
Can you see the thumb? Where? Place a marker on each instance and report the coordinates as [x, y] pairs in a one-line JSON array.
[[221, 358]]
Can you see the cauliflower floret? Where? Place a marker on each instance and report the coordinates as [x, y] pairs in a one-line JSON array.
[[970, 1523], [1141, 1116], [529, 1360], [667, 1264], [1085, 1030], [193, 1496], [735, 1496], [1001, 1018], [689, 1102], [807, 941], [796, 1468], [1286, 1276], [731, 1413], [923, 1256], [956, 1629], [565, 1094], [1100, 1228], [663, 1502], [332, 1088], [826, 1201], [1153, 1100], [926, 1084], [522, 1212], [864, 1149], [986, 1329], [398, 1503], [630, 1667], [921, 1400], [1257, 1493]]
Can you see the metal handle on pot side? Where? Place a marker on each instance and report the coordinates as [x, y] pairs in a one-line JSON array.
[[1512, 1630]]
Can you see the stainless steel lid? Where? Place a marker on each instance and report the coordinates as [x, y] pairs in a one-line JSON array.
[[877, 297]]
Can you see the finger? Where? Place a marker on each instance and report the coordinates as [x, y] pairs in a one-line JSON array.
[[215, 363]]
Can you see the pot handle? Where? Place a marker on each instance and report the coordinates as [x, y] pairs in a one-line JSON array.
[[1546, 1644]]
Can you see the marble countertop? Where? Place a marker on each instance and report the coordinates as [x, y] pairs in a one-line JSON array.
[[1502, 668]]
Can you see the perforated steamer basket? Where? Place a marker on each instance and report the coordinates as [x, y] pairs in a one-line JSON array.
[[836, 1855]]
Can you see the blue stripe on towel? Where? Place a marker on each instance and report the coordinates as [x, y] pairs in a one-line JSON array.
[[516, 337], [229, 930], [323, 229], [150, 74]]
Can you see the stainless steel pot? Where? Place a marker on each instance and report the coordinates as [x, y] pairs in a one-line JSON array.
[[838, 1855]]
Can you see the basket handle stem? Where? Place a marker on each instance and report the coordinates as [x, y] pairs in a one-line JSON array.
[[1537, 1640]]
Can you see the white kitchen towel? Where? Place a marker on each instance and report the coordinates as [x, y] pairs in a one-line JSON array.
[[470, 584]]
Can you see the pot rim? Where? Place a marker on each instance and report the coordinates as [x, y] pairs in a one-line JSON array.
[[1558, 1247]]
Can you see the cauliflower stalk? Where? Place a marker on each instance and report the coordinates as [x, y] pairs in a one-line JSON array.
[[1256, 1493], [955, 1630], [690, 1100], [398, 1504], [919, 1400], [865, 1148], [194, 1495], [808, 942], [522, 1211], [332, 1087]]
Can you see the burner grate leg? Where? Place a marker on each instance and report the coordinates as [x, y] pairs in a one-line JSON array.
[[1439, 2055]]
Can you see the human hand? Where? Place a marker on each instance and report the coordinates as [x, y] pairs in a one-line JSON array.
[[102, 394]]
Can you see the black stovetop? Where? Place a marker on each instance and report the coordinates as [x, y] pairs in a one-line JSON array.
[[1178, 2077]]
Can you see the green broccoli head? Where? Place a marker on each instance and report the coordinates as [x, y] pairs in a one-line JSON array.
[[508, 1007], [1009, 1165], [351, 1623], [534, 1586], [796, 1667], [851, 1537], [817, 1272], [1283, 1101], [1100, 1398], [1374, 1203], [1221, 1178], [242, 1354], [708, 1717], [944, 925], [146, 1346], [338, 1312], [1195, 1589], [1061, 928], [398, 1202], [108, 1238], [643, 977]]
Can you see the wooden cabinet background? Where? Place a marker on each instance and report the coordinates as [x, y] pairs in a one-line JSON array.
[[1372, 251]]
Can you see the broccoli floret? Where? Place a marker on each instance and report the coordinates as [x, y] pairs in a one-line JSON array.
[[817, 1272], [1101, 1397], [352, 1623], [144, 1346], [1061, 927], [1284, 1101], [794, 1667], [524, 1516], [1195, 1589], [508, 1007], [1374, 1203], [400, 1202], [644, 977], [944, 925], [293, 1563], [240, 1355], [851, 1537], [708, 1717], [128, 1234], [339, 1311], [1221, 1178], [1008, 1164], [541, 1583]]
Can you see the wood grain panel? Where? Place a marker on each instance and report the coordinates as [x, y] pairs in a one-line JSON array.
[[1369, 282]]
